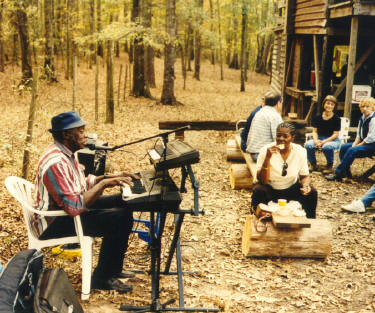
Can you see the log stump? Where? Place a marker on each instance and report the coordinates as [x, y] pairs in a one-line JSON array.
[[233, 151], [240, 177], [314, 242]]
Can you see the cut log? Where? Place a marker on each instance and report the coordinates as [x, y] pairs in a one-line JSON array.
[[314, 242], [233, 151], [240, 177]]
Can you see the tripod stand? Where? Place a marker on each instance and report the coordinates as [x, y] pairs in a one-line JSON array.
[[155, 268]]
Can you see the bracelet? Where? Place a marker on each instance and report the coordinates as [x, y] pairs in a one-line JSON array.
[[265, 168]]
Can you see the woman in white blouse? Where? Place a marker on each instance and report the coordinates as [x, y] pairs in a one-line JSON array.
[[283, 173]]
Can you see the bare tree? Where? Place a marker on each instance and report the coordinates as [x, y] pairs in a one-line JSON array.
[[198, 43], [140, 87], [149, 51], [21, 23], [2, 65], [110, 99], [243, 45], [49, 58], [167, 96]]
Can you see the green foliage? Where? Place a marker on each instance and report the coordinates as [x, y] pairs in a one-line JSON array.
[[116, 24]]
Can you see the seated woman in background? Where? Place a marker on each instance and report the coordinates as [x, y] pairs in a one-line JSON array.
[[283, 173], [326, 128]]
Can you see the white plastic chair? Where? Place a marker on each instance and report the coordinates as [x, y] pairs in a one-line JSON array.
[[343, 134], [22, 190], [238, 123]]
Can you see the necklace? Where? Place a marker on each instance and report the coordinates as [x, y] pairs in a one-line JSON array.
[[327, 116]]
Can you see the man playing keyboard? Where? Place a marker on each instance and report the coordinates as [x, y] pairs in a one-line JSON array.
[[62, 185]]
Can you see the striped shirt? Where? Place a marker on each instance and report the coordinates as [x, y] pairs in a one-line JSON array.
[[60, 184], [263, 129]]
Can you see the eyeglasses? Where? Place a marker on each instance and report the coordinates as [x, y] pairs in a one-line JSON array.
[[285, 167]]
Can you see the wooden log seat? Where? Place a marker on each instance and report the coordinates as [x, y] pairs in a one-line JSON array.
[[233, 151], [314, 242], [249, 161], [240, 177]]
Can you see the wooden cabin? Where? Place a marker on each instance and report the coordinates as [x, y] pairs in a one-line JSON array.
[[324, 47]]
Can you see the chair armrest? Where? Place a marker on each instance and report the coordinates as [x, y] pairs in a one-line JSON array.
[[48, 213], [238, 123]]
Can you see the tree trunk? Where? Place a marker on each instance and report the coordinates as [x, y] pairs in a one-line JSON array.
[[49, 59], [149, 51], [212, 31], [168, 96], [110, 102], [183, 64], [243, 45], [234, 63], [99, 25], [30, 125], [57, 29], [198, 43], [189, 47], [220, 43], [23, 33], [97, 61], [2, 63], [67, 41], [74, 82], [92, 30], [140, 88]]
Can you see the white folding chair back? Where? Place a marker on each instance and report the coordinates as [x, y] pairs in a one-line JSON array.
[[344, 130], [22, 191]]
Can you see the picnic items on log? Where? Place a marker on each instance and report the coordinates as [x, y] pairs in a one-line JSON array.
[[284, 231]]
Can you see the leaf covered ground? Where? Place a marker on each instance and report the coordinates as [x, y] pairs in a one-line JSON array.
[[211, 244]]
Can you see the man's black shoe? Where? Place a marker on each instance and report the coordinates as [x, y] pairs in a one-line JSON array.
[[125, 274], [111, 284], [332, 177]]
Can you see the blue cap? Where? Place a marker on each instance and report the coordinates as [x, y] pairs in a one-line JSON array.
[[66, 120]]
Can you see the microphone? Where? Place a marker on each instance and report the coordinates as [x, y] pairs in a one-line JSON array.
[[93, 146]]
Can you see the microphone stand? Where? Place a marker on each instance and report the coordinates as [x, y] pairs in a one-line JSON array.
[[156, 305]]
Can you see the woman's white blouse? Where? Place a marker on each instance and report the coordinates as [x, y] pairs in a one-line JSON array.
[[297, 165]]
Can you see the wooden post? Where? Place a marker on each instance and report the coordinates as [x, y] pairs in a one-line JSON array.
[[351, 65], [316, 66], [30, 124]]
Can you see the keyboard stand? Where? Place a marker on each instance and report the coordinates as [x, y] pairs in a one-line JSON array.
[[156, 305]]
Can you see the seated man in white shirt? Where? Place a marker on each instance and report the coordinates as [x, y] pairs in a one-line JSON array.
[[264, 124]]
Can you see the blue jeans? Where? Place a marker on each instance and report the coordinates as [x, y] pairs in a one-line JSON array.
[[369, 197], [328, 149], [348, 154]]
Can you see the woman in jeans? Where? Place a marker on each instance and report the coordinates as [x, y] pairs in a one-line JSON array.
[[326, 128]]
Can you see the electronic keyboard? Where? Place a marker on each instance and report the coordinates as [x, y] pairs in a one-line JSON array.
[[146, 193], [178, 154]]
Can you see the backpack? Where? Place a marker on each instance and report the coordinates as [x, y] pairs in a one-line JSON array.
[[18, 281], [55, 294]]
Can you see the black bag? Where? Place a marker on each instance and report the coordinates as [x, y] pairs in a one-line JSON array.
[[18, 281], [55, 293]]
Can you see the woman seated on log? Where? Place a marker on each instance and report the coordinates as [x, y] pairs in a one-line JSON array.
[[283, 173], [326, 127]]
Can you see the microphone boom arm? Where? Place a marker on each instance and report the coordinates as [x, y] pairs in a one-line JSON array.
[[163, 135]]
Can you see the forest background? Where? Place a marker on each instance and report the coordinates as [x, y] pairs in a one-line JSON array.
[[117, 63]]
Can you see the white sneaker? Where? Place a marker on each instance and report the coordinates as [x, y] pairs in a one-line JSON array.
[[355, 206]]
